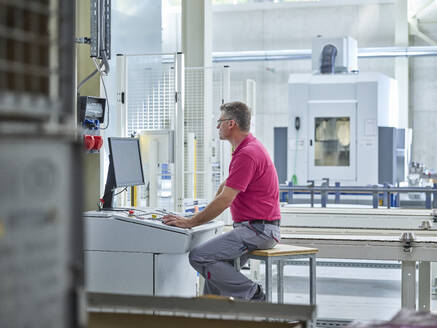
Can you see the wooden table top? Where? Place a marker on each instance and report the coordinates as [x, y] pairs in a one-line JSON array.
[[282, 249]]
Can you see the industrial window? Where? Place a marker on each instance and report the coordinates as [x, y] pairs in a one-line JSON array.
[[332, 141]]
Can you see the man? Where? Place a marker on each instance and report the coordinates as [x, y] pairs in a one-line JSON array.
[[252, 192]]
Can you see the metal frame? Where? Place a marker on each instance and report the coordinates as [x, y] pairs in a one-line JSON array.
[[179, 132], [375, 191], [122, 110], [336, 264], [377, 246], [281, 261], [100, 28]]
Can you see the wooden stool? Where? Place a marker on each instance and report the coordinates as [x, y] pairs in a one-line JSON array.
[[280, 254]]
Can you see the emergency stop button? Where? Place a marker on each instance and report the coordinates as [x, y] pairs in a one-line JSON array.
[[88, 141], [98, 142]]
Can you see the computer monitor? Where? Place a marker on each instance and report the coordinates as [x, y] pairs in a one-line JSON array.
[[125, 167]]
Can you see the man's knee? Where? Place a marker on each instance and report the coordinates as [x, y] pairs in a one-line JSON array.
[[193, 257]]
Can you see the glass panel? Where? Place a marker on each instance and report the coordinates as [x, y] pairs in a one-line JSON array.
[[332, 141]]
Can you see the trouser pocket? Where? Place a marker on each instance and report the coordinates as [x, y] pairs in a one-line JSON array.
[[258, 236]]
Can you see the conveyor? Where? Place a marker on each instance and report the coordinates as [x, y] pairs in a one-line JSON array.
[[370, 234]]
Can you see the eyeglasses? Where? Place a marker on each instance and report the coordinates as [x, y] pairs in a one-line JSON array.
[[223, 119]]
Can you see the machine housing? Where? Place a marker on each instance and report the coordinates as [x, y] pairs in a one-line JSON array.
[[345, 127]]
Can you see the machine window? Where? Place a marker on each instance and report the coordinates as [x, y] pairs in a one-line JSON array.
[[332, 141]]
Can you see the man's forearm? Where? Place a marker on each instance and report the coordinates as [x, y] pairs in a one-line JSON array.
[[217, 206]]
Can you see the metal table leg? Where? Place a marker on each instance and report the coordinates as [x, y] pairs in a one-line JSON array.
[[268, 279], [312, 263], [425, 286], [409, 285], [280, 281]]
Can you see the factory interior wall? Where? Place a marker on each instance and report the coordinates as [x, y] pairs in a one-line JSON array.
[[423, 109], [423, 96], [293, 28]]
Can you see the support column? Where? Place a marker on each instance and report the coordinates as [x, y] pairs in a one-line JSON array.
[[424, 286], [269, 279], [197, 48], [84, 66], [121, 128], [401, 63], [178, 185], [197, 33], [280, 276], [312, 268], [225, 146], [153, 159], [409, 285]]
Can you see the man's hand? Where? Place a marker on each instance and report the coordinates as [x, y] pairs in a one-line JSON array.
[[177, 221]]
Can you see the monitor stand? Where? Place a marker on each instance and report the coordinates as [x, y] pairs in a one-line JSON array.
[[108, 196]]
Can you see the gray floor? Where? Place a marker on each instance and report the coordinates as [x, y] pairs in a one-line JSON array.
[[346, 293]]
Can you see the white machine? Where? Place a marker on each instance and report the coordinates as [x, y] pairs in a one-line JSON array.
[[135, 253], [158, 163], [344, 126]]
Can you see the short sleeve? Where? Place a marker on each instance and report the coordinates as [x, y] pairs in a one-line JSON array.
[[241, 171]]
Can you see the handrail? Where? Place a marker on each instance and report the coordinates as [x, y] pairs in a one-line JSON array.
[[376, 191], [356, 189]]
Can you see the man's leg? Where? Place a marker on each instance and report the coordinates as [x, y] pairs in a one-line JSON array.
[[214, 261]]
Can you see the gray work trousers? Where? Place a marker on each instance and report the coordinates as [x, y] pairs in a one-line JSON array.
[[214, 259]]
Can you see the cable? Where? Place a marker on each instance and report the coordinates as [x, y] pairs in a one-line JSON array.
[[101, 201], [86, 79], [124, 189], [98, 67], [106, 63], [107, 103]]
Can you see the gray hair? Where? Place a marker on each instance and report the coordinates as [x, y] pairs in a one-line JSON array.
[[239, 112]]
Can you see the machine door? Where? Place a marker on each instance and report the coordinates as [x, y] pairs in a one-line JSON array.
[[332, 141]]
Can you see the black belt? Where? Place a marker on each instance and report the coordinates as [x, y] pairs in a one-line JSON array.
[[274, 222]]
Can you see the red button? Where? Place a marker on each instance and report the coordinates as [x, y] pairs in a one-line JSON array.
[[98, 142], [88, 141]]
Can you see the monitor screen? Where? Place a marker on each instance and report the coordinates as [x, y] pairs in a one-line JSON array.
[[126, 159], [125, 167]]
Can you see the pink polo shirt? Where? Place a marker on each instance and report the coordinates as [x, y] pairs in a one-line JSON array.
[[252, 172]]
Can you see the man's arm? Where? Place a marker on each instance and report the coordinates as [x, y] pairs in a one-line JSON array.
[[220, 189], [218, 205]]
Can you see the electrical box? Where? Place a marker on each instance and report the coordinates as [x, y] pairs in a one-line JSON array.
[[91, 108], [90, 114]]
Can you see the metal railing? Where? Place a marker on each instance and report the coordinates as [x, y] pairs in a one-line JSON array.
[[377, 193]]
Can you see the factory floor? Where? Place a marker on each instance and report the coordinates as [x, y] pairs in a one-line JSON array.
[[346, 293]]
